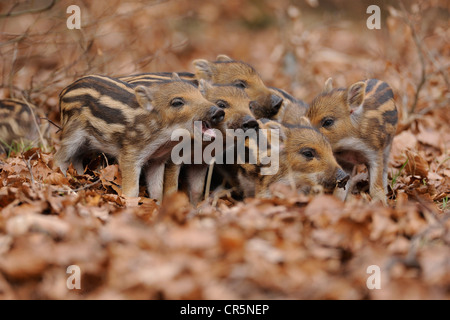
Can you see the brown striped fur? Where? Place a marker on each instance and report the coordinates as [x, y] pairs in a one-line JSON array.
[[292, 110], [270, 103], [130, 122], [20, 122], [305, 161], [235, 103], [360, 123], [231, 72]]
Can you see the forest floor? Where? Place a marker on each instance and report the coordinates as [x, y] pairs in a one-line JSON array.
[[292, 246]]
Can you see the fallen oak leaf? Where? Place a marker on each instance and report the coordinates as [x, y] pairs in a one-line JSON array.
[[22, 264], [23, 223], [189, 238], [406, 140], [324, 210], [92, 198], [175, 207], [111, 173], [71, 172], [14, 168], [56, 178], [68, 190], [113, 198], [6, 242], [429, 137], [7, 195], [147, 210], [40, 170], [265, 250], [33, 207], [101, 213], [383, 227], [131, 202], [416, 165], [111, 177], [434, 176], [56, 203]]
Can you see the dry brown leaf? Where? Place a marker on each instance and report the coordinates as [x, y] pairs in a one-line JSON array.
[[23, 223], [406, 140], [56, 178], [176, 207], [429, 137], [190, 238], [416, 166], [5, 243], [22, 264], [383, 227], [7, 195], [111, 174], [324, 210]]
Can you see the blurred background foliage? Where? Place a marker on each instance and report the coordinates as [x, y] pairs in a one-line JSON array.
[[295, 45]]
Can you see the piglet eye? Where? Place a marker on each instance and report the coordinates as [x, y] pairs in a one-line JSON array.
[[241, 84], [222, 104], [177, 102], [308, 153], [327, 122]]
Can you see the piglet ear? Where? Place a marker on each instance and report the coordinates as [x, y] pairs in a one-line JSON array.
[[273, 125], [304, 121], [175, 77], [144, 96], [356, 94], [203, 69], [223, 58], [204, 86], [328, 85]]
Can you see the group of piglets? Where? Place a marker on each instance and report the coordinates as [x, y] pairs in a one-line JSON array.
[[132, 119]]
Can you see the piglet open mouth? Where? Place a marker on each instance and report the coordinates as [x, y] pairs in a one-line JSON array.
[[207, 130]]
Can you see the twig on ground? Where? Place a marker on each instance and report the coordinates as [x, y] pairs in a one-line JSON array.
[[106, 159], [419, 46], [78, 189], [41, 138], [28, 164]]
